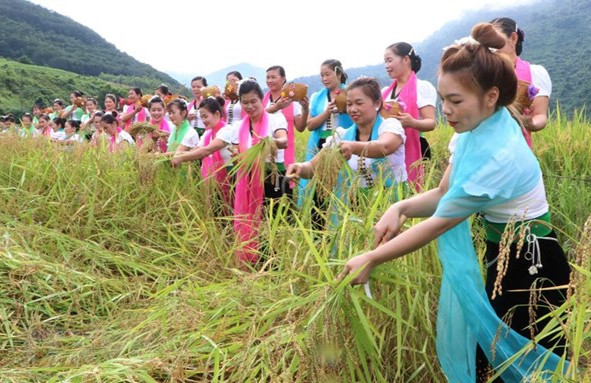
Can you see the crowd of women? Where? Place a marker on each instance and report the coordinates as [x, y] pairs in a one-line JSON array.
[[491, 171]]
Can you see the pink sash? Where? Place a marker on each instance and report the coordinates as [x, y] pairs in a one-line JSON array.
[[288, 113], [141, 116], [523, 72], [164, 127], [113, 142], [412, 147], [193, 104], [214, 165], [250, 192]]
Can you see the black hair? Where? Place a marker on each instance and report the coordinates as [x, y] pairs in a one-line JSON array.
[[277, 68], [28, 115], [179, 103], [164, 89], [250, 86], [508, 26], [138, 91], [337, 67], [78, 93], [93, 100], [109, 118], [369, 86], [44, 116], [98, 113], [235, 73], [60, 122], [213, 104], [200, 78], [74, 123], [403, 49], [58, 101], [156, 100]]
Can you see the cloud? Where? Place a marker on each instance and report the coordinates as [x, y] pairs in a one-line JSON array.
[[201, 37]]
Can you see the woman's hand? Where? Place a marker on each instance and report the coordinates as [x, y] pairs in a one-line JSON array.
[[346, 149], [176, 161], [305, 103], [361, 262], [331, 108], [191, 116], [137, 107], [405, 119], [282, 103], [388, 226], [300, 170], [527, 119], [295, 170]]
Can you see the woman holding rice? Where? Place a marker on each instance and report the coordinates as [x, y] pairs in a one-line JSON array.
[[492, 171]]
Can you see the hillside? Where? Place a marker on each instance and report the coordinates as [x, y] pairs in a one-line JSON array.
[[23, 85], [557, 36], [33, 34]]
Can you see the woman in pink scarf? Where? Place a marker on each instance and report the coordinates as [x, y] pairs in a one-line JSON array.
[[43, 125], [418, 99], [535, 117], [216, 158], [117, 138], [134, 112], [233, 110], [197, 83], [110, 103], [250, 192], [157, 110], [296, 114]]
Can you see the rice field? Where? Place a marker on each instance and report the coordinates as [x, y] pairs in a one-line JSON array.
[[120, 269]]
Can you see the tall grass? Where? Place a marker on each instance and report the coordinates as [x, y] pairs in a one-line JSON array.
[[109, 274]]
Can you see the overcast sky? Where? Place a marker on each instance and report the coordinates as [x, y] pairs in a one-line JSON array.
[[200, 37]]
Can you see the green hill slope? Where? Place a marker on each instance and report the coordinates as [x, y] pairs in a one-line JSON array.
[[34, 34], [23, 85]]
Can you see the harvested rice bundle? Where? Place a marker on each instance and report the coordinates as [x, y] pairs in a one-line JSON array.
[[326, 173], [141, 128], [255, 158]]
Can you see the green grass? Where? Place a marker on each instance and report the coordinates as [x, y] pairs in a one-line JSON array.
[[116, 272]]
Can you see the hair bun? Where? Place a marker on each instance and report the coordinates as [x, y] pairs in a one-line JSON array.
[[488, 36]]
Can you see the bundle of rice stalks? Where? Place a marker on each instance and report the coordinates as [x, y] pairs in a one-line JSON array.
[[255, 159], [326, 172], [141, 127]]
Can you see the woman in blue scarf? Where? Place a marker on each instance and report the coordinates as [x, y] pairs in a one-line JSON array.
[[373, 146], [323, 120], [494, 172]]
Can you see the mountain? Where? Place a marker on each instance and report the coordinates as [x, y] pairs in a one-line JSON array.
[[33, 34], [558, 36], [219, 77]]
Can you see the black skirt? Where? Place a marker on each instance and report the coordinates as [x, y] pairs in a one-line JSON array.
[[513, 307]]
